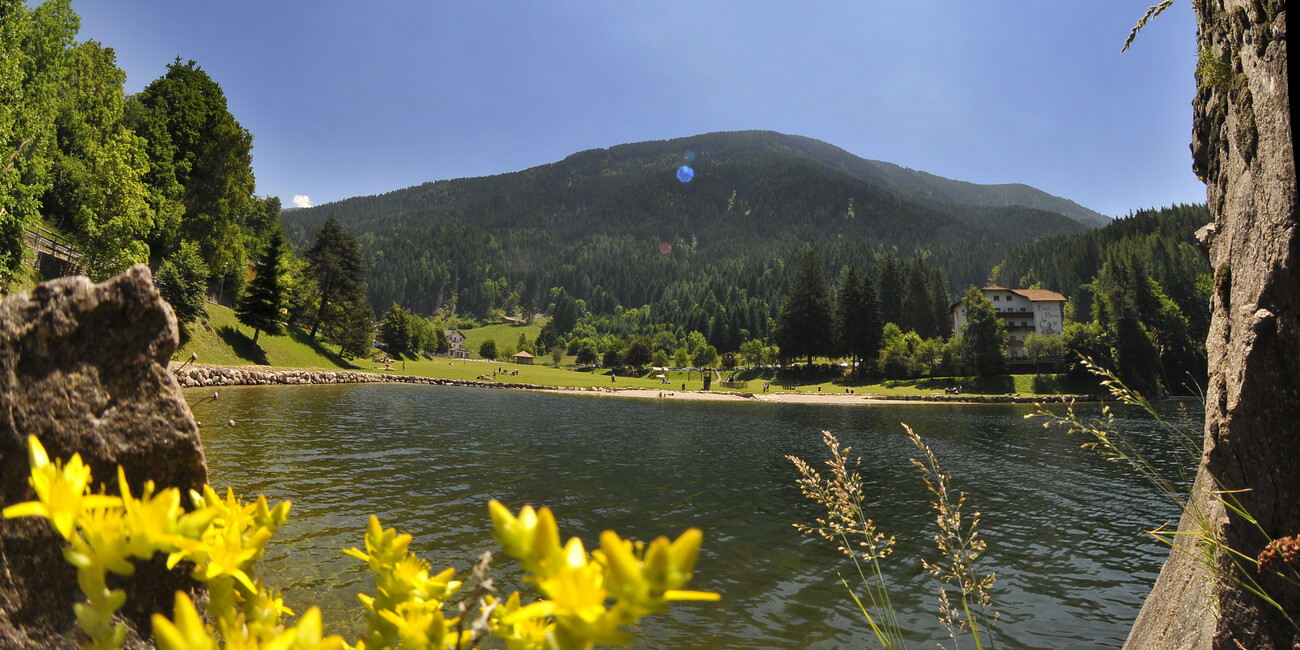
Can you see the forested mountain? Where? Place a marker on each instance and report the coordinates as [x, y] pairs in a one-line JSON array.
[[617, 227]]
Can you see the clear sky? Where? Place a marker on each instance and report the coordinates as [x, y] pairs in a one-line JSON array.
[[350, 98]]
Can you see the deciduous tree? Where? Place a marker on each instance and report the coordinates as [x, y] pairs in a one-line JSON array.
[[396, 330], [182, 279], [984, 334]]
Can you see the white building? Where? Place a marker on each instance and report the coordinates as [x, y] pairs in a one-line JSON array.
[[456, 341], [1023, 312]]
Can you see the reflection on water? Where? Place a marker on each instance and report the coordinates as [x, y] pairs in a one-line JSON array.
[[1065, 529]]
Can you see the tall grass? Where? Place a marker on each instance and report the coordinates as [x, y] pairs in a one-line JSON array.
[[847, 525], [1280, 558]]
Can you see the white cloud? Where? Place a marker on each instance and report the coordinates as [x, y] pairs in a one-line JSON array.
[[301, 201]]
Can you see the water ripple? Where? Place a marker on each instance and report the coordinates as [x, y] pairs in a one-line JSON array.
[[1064, 528]]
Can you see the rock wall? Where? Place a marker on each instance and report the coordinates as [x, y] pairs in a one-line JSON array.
[[1242, 148], [83, 367], [196, 376]]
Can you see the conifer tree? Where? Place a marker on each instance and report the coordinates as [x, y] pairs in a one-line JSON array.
[[857, 320], [918, 304], [803, 328], [939, 294], [336, 262], [260, 306], [889, 286]]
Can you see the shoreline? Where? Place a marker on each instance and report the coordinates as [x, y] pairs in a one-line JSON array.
[[205, 376]]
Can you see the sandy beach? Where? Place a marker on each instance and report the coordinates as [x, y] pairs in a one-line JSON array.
[[830, 399]]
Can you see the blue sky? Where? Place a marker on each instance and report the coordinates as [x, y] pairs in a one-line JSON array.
[[346, 98]]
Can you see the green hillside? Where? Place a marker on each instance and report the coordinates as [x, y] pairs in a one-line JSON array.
[[615, 227], [220, 340]]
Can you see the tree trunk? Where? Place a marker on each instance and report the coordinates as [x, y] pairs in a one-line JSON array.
[[1242, 147]]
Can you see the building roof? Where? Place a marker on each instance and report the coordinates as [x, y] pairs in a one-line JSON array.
[[523, 353], [1040, 295], [1036, 295]]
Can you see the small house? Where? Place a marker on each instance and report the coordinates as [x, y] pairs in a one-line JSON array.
[[456, 344], [523, 356]]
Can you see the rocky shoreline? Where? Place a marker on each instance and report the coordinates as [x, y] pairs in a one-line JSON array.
[[197, 376]]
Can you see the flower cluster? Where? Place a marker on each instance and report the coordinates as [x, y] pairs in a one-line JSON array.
[[407, 606], [1279, 552], [639, 579], [222, 537], [842, 497], [960, 546], [589, 598]]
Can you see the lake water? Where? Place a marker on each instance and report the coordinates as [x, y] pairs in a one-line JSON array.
[[1065, 530]]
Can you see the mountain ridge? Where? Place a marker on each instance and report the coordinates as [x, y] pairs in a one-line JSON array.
[[616, 227], [913, 183]]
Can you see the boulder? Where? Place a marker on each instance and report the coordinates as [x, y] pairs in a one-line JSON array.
[[83, 367]]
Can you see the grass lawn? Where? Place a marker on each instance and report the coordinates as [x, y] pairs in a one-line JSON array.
[[505, 334], [221, 340]]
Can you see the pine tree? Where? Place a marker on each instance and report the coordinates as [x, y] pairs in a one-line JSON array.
[[336, 262], [261, 304], [889, 286], [918, 304], [803, 328], [857, 320], [942, 304]]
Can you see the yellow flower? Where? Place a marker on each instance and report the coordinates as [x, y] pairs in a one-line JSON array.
[[151, 518], [532, 538], [102, 542], [527, 633], [60, 490], [576, 587], [420, 625], [647, 580], [185, 631], [226, 556]]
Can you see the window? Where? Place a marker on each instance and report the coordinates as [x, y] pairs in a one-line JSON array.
[[997, 298]]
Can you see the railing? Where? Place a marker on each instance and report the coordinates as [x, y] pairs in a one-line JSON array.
[[55, 248]]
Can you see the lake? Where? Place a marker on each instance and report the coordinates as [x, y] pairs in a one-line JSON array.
[[1065, 530]]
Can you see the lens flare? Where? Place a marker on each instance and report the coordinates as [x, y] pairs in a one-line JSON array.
[[685, 173], [690, 158], [665, 248]]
